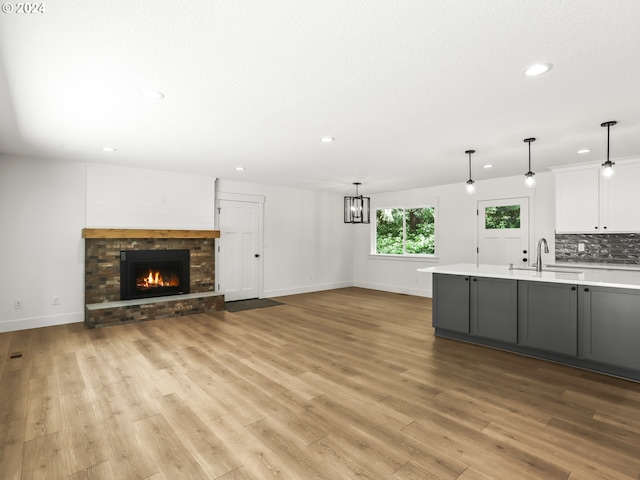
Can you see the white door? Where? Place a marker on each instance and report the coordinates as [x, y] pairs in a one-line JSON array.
[[239, 250], [503, 232]]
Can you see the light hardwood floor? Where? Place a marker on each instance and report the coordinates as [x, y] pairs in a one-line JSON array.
[[342, 384]]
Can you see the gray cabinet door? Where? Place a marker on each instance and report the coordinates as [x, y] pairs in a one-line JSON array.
[[451, 302], [494, 308], [610, 325], [548, 316]]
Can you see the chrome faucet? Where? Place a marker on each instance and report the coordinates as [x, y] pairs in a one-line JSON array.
[[546, 250]]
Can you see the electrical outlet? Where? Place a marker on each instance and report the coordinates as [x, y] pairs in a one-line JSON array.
[[56, 300], [581, 247], [17, 304]]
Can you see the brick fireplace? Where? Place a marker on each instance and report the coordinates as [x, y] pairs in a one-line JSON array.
[[103, 253]]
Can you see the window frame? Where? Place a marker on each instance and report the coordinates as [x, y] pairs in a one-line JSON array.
[[405, 256]]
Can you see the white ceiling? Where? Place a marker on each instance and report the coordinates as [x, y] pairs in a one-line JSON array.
[[405, 87]]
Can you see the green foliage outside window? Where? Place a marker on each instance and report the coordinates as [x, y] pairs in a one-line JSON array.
[[389, 236], [402, 231], [502, 217]]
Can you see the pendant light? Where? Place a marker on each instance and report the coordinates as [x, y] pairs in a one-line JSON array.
[[529, 177], [471, 188], [356, 209], [607, 170]]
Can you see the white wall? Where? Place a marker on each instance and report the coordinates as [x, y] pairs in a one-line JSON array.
[[307, 247], [457, 230], [123, 197], [42, 211], [43, 207]]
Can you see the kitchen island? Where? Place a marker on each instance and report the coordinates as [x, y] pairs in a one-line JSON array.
[[585, 318]]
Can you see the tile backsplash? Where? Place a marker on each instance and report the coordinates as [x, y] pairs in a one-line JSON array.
[[614, 248]]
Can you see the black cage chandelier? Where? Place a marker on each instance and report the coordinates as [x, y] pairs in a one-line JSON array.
[[356, 209]]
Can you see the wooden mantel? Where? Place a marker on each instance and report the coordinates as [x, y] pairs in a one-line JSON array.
[[143, 233]]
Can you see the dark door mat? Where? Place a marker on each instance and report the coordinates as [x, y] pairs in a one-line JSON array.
[[240, 305]]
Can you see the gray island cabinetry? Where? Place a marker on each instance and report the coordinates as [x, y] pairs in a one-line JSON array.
[[494, 309], [585, 319], [451, 311], [480, 306], [610, 325], [548, 316]]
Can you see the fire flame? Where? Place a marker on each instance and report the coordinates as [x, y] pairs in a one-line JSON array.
[[154, 279]]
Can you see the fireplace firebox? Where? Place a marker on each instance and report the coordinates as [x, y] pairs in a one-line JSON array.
[[153, 273]]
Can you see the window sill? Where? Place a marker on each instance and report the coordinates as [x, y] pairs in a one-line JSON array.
[[405, 258]]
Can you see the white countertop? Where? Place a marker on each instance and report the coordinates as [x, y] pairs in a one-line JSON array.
[[593, 277]]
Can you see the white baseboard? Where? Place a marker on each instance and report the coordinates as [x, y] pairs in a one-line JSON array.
[[38, 322], [332, 286], [418, 292], [305, 289]]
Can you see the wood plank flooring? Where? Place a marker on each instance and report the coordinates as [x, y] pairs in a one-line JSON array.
[[342, 384]]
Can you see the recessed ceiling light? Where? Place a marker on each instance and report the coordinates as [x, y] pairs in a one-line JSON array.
[[152, 94], [488, 165], [240, 169], [327, 139], [584, 150], [109, 149], [537, 69]]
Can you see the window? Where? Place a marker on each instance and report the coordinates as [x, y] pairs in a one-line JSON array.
[[507, 216], [405, 231]]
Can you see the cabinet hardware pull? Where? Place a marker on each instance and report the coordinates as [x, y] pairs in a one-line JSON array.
[[573, 288], [586, 289]]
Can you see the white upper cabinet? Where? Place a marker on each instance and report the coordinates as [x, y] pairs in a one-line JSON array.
[[577, 201], [620, 199], [587, 203]]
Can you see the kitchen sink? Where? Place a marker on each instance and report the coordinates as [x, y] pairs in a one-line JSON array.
[[561, 270], [556, 270]]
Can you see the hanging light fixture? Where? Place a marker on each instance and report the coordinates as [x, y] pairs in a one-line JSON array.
[[607, 170], [356, 209], [529, 177], [470, 183]]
